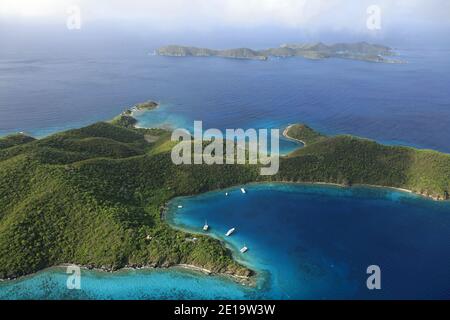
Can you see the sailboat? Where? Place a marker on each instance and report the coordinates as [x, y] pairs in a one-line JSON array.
[[206, 227], [243, 190]]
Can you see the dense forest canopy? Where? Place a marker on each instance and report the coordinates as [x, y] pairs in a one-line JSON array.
[[95, 196]]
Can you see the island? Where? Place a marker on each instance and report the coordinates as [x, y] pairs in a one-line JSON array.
[[97, 196], [355, 51], [148, 105]]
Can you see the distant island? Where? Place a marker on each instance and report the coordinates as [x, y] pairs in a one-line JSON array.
[[97, 196], [355, 51]]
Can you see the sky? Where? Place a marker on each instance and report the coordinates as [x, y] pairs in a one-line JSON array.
[[228, 22]]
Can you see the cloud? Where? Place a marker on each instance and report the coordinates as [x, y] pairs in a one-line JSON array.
[[305, 15], [29, 8]]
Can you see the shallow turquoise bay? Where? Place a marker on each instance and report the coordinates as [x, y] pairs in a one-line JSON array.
[[305, 242]]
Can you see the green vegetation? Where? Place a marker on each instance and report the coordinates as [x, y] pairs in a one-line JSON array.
[[14, 140], [303, 133], [350, 160], [148, 105], [95, 196], [124, 120]]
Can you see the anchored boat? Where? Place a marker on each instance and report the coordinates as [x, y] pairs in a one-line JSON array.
[[244, 249], [229, 232], [206, 227], [243, 190]]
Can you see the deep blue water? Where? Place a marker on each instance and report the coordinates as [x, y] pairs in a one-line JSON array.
[[404, 103], [317, 242], [305, 241]]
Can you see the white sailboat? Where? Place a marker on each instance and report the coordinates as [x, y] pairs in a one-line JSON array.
[[226, 193], [179, 207], [229, 232], [243, 190], [244, 249], [206, 227]]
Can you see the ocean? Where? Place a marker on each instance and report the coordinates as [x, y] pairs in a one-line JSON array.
[[392, 103], [305, 242]]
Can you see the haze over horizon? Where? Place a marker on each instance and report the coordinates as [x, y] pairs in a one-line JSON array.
[[145, 25]]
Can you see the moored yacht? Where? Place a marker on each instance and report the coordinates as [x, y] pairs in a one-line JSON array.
[[244, 249], [206, 227], [229, 232], [243, 190]]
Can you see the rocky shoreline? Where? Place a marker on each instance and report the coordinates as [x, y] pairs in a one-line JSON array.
[[249, 280]]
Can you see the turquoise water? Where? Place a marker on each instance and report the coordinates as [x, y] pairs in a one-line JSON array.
[[305, 242], [392, 103], [164, 117], [126, 284]]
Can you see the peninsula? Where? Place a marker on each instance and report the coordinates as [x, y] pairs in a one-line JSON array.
[[96, 196], [355, 51], [126, 119]]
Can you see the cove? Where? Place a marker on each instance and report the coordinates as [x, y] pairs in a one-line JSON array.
[[316, 242], [305, 242]]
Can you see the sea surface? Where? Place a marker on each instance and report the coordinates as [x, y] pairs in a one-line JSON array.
[[392, 103], [305, 242]]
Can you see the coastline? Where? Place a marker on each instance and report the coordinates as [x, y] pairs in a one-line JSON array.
[[237, 277], [249, 281], [182, 281], [285, 134], [140, 107], [306, 183], [427, 196], [243, 280]]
